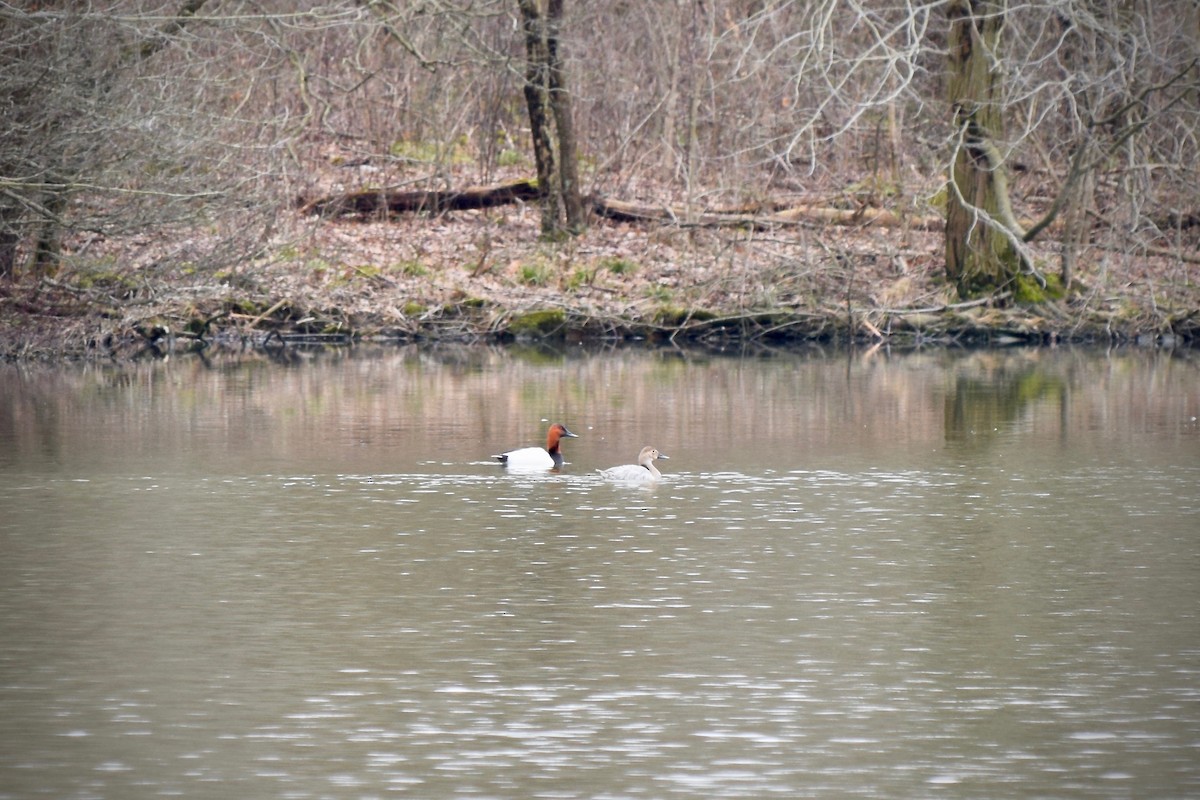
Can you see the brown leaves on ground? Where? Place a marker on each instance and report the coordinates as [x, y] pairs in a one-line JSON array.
[[469, 273]]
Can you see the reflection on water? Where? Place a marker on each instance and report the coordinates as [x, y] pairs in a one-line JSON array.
[[969, 574]]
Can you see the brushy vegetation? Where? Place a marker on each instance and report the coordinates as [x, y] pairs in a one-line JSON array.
[[782, 169]]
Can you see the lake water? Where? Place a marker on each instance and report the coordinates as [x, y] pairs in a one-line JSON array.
[[951, 574]]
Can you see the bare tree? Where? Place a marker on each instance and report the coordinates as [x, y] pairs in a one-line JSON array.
[[194, 128], [983, 238], [93, 143], [1069, 119], [550, 117], [1116, 98]]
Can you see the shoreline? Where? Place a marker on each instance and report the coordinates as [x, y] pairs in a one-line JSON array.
[[93, 336], [484, 277]]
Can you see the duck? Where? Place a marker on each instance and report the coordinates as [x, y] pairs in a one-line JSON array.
[[536, 457], [643, 470]]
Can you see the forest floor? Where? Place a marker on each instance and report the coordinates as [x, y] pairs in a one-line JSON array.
[[485, 275]]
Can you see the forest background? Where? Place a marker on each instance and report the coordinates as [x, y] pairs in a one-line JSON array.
[[195, 172]]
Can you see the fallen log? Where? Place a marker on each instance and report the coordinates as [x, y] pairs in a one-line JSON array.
[[381, 202], [878, 217], [622, 211]]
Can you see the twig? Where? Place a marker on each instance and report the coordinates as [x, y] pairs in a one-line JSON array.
[[267, 313]]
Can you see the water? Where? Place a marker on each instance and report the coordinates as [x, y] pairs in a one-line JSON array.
[[935, 574]]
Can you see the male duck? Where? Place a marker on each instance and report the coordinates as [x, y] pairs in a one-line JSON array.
[[536, 457], [644, 470]]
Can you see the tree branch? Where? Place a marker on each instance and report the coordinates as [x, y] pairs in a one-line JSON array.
[[152, 44], [1078, 165]]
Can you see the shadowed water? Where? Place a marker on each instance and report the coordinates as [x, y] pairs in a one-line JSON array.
[[933, 574]]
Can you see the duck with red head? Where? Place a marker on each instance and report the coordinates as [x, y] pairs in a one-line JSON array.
[[535, 458]]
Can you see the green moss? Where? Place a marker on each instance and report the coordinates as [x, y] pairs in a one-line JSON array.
[[109, 280], [462, 305], [414, 309], [538, 323], [1028, 290]]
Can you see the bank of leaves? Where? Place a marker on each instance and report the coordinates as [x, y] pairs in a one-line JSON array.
[[484, 275]]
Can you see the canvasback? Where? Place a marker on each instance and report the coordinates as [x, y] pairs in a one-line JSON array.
[[644, 470], [536, 457]]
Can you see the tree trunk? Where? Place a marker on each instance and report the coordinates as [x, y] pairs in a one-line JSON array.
[[560, 103], [982, 236], [48, 249], [8, 255], [537, 104], [548, 102]]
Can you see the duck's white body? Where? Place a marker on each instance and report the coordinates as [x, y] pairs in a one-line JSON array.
[[528, 458], [536, 458], [644, 470]]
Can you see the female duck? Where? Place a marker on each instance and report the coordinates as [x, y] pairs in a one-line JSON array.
[[644, 470], [536, 457]]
